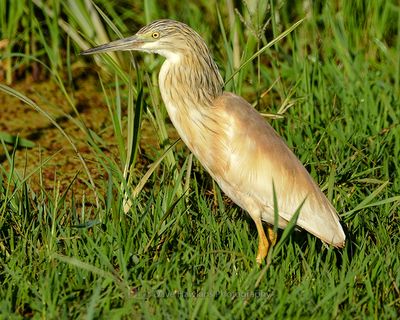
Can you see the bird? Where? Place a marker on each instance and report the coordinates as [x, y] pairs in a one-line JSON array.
[[241, 151]]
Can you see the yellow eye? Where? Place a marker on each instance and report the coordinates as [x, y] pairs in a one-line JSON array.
[[155, 35]]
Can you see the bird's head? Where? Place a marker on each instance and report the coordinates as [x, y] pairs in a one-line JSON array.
[[183, 47], [165, 37]]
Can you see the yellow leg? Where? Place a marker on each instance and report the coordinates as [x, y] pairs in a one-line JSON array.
[[264, 243], [271, 235]]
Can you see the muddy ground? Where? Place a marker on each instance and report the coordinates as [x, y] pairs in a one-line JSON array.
[[60, 163]]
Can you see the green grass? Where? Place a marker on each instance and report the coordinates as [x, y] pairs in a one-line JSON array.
[[183, 251]]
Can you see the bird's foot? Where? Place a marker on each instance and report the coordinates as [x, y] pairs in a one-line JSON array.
[[264, 243]]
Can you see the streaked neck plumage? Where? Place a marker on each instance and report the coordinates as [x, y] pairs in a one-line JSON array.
[[188, 77]]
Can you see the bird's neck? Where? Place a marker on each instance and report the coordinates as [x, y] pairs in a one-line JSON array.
[[189, 90], [190, 81]]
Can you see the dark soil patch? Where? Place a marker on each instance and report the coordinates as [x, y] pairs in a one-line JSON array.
[[53, 163]]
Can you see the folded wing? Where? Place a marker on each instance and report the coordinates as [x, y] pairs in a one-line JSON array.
[[255, 157]]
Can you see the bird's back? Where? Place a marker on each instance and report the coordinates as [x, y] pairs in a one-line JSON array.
[[247, 156]]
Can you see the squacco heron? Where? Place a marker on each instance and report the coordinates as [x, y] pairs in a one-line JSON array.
[[233, 142]]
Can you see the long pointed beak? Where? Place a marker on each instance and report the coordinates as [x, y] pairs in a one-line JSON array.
[[126, 44]]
